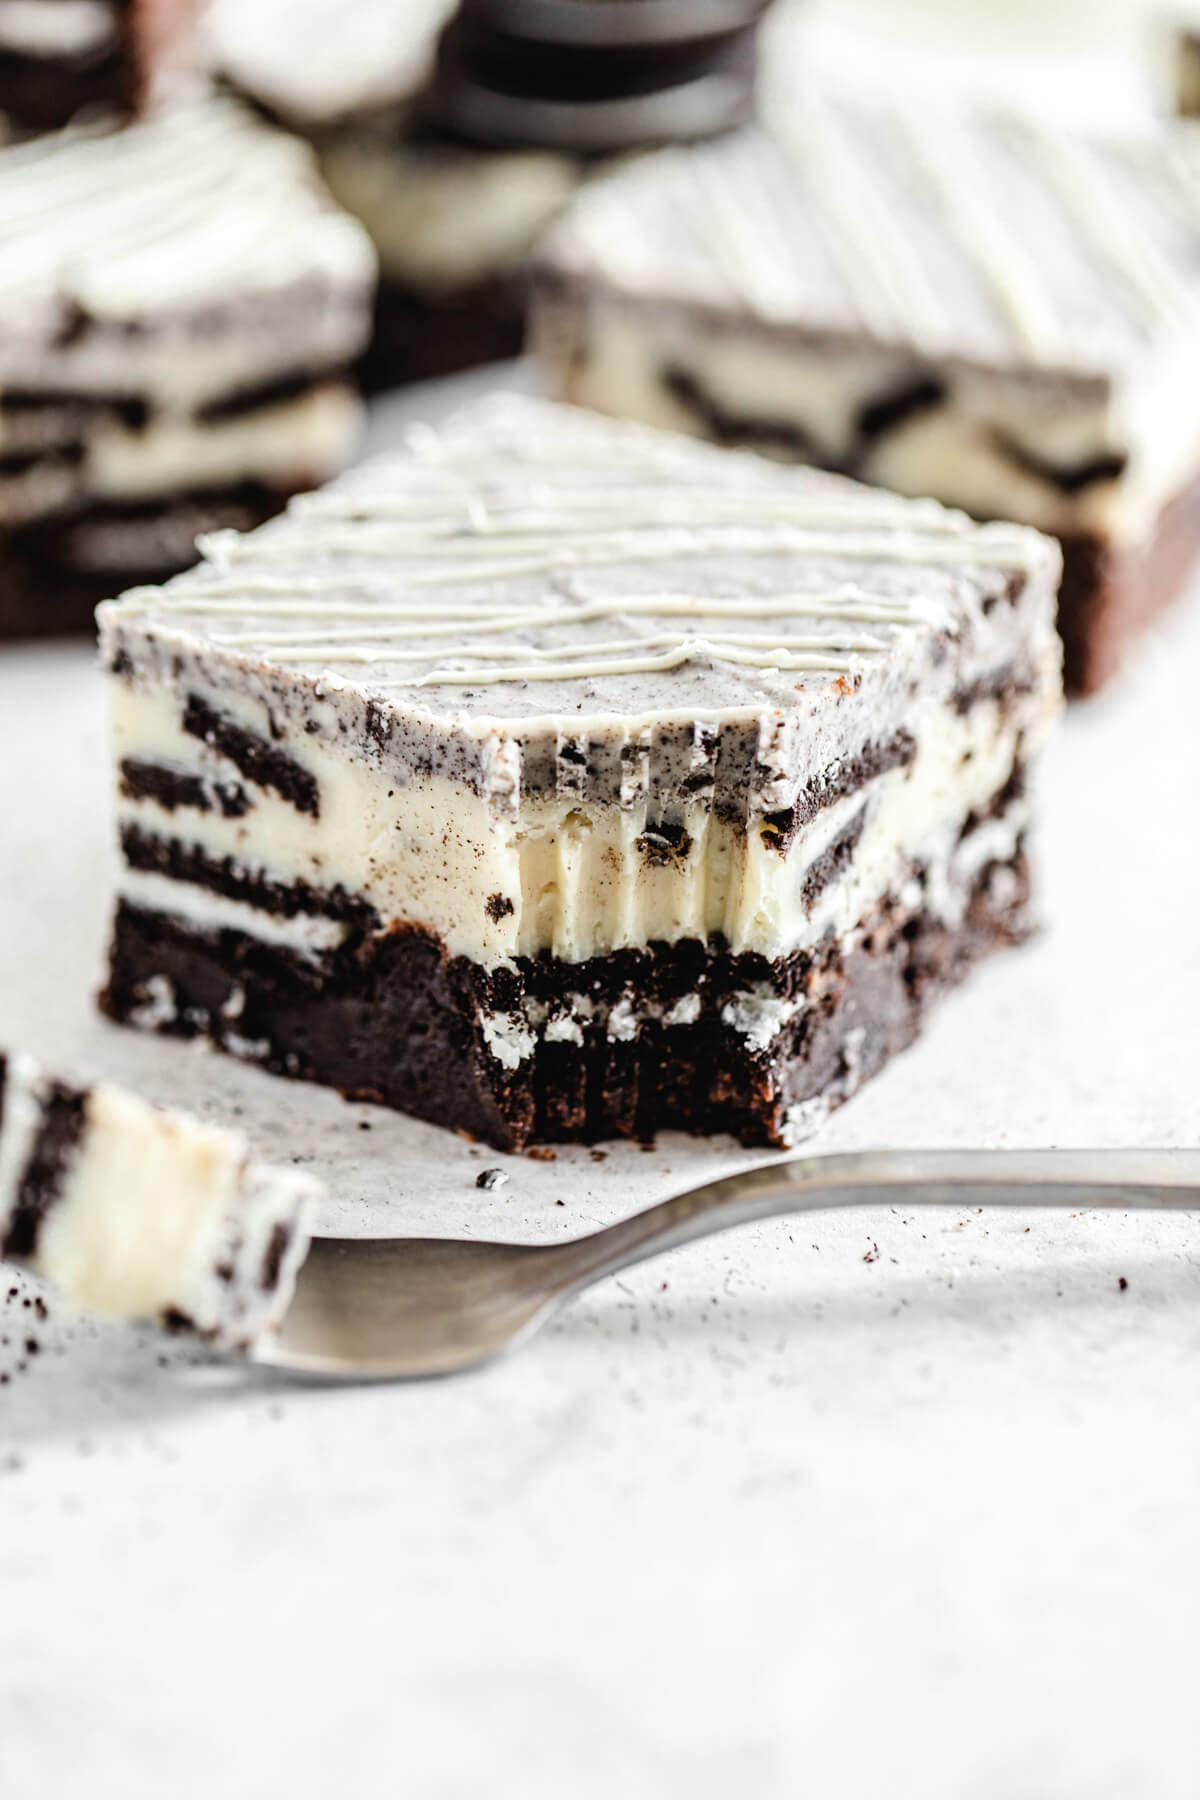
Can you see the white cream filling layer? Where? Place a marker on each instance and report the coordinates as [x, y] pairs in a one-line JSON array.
[[576, 879], [611, 357]]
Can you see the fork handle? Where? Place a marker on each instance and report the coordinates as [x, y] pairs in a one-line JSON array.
[[1120, 1179]]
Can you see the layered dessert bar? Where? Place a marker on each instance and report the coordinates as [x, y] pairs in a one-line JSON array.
[[60, 58], [140, 1213], [180, 305], [556, 778], [953, 304]]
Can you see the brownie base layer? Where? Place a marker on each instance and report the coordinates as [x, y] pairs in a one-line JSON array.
[[397, 1021], [419, 335], [46, 589], [1109, 594]]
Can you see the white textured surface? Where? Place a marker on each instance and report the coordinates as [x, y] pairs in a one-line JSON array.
[[778, 1516]]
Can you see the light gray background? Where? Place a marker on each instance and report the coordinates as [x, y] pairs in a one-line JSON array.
[[887, 1504]]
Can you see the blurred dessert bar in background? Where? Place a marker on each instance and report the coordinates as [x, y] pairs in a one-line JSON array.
[[552, 778], [942, 302], [180, 307], [111, 58], [140, 1213], [457, 154]]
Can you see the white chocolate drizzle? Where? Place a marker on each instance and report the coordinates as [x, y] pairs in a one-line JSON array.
[[946, 231], [521, 545]]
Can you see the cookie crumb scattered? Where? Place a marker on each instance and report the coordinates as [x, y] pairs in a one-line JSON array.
[[491, 1178]]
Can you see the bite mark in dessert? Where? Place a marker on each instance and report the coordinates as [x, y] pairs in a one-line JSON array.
[[651, 784], [136, 1212]]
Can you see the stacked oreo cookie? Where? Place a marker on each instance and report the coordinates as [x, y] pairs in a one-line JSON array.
[[597, 75]]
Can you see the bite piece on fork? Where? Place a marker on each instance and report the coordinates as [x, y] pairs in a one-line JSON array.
[[136, 1212]]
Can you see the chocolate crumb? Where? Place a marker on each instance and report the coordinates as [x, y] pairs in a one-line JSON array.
[[1122, 1283], [490, 1178], [871, 1255]]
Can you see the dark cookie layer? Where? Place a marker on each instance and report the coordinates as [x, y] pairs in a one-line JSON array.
[[175, 788], [263, 764], [62, 1123], [178, 861]]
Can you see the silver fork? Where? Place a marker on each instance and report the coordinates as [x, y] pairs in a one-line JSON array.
[[386, 1309]]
